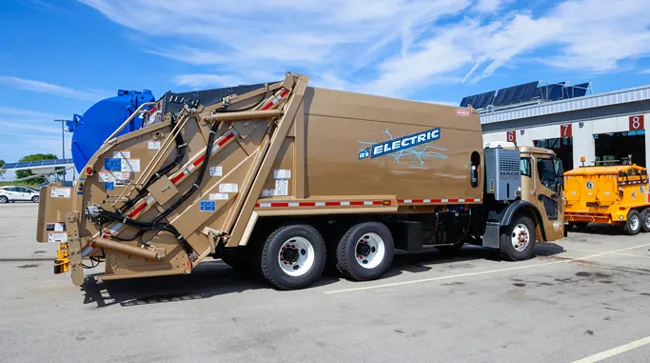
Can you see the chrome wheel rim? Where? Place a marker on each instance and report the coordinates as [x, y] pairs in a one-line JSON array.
[[370, 250], [296, 256], [520, 237]]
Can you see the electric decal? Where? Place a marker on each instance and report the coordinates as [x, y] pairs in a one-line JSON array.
[[410, 149]]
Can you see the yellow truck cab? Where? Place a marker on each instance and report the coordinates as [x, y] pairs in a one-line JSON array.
[[611, 194]]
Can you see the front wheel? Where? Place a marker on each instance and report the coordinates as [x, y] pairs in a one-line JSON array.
[[293, 257], [365, 252], [3, 199], [518, 239], [35, 199], [633, 224]]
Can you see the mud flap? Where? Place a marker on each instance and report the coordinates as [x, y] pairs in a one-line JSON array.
[[491, 237]]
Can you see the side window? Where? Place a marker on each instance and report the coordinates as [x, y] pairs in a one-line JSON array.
[[524, 166], [547, 175]]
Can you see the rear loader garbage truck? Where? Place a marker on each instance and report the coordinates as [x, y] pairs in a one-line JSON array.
[[285, 179]]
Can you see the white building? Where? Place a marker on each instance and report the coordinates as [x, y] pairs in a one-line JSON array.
[[596, 127]]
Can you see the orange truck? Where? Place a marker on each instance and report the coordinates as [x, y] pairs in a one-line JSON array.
[[613, 194]]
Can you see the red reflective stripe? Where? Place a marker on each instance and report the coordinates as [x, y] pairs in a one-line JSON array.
[[137, 210], [225, 139], [199, 160], [332, 204], [178, 177], [280, 204], [307, 204], [453, 200], [267, 106], [284, 93], [377, 202], [356, 203], [418, 201]]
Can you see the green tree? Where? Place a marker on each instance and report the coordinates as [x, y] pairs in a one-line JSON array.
[[35, 157], [2, 163]]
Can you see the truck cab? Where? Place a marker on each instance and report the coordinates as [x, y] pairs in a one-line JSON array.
[[542, 185]]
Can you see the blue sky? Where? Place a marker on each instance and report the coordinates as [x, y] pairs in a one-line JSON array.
[[59, 57]]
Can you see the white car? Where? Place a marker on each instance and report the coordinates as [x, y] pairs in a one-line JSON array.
[[12, 194]]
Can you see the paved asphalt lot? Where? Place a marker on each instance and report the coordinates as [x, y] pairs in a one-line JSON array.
[[585, 295]]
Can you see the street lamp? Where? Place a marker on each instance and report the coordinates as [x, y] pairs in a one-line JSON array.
[[62, 144]]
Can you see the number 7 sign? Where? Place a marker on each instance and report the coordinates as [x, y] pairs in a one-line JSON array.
[[566, 130]]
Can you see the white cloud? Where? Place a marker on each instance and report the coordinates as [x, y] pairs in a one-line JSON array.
[[49, 88], [28, 113], [388, 47], [488, 6]]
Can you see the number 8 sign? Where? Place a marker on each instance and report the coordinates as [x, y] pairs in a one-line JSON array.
[[636, 123]]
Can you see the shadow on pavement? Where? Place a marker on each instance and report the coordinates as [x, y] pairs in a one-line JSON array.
[[214, 278]]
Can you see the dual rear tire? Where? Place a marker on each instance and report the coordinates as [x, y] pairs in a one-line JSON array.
[[294, 256]]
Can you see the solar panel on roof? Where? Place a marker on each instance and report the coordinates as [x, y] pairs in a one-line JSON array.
[[555, 92], [519, 93], [463, 102], [489, 97], [498, 100], [510, 94], [38, 164], [480, 99], [529, 92], [580, 89]]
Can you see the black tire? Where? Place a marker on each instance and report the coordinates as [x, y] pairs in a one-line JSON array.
[[3, 199], [346, 251], [523, 223], [35, 199], [633, 223], [645, 220], [270, 252]]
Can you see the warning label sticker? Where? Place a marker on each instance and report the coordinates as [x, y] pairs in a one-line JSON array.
[[153, 145], [60, 193], [228, 188], [130, 165], [57, 237], [122, 154], [216, 171], [281, 187], [282, 174], [218, 196]]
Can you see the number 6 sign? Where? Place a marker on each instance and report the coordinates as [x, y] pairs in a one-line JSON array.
[[636, 123], [511, 136]]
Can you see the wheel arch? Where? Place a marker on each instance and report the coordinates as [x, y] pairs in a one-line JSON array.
[[530, 210]]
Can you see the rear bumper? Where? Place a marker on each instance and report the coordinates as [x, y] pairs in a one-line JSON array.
[[589, 217]]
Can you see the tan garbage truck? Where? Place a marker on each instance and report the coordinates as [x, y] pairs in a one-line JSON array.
[[284, 179]]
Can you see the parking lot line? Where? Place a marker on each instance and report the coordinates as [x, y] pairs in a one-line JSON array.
[[614, 351], [446, 277]]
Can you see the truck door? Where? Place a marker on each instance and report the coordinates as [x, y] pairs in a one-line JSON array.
[[548, 194]]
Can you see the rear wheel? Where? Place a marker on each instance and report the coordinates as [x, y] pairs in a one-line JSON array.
[[365, 252], [3, 199], [518, 239], [645, 220], [633, 224], [293, 257]]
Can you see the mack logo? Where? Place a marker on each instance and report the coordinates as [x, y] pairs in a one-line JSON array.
[[405, 142]]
